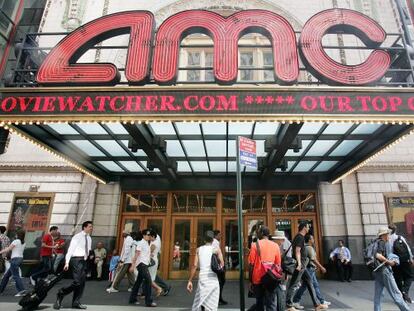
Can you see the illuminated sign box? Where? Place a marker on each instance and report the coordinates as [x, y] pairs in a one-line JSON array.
[[219, 101]]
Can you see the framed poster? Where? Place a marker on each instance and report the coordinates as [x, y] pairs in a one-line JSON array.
[[31, 212], [401, 213]]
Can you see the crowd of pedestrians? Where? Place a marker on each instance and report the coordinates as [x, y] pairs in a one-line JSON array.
[[269, 254]]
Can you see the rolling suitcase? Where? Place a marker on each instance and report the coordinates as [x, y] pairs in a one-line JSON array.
[[34, 298]]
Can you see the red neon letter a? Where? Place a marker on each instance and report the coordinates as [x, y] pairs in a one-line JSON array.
[[59, 67]]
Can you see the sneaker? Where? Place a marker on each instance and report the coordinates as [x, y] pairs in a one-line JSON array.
[[129, 289], [167, 291], [32, 281], [20, 294], [321, 307], [112, 290], [328, 303], [297, 306]]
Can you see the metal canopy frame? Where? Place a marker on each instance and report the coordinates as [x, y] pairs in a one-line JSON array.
[[145, 138]]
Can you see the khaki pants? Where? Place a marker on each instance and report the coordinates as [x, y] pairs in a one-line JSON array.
[[120, 274], [99, 264]]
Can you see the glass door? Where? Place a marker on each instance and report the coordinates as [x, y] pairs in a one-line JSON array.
[[231, 247], [284, 224], [138, 223], [251, 225], [188, 234]]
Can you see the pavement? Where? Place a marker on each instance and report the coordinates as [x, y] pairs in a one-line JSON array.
[[357, 295]]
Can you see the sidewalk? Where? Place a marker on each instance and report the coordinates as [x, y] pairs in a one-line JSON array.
[[357, 295]]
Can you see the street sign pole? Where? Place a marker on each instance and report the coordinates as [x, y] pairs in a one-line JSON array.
[[240, 226]]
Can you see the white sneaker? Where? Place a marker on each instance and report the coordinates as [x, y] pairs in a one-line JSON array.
[[20, 294], [130, 289], [297, 306], [32, 281], [328, 303], [112, 290]]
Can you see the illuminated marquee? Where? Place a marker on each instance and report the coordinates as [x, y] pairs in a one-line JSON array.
[[60, 68]]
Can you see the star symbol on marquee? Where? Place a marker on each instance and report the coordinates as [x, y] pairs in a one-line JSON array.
[[269, 100], [280, 100], [249, 99], [290, 100], [259, 99]]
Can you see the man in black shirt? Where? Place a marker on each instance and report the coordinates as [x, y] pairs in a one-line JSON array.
[[383, 273], [299, 253]]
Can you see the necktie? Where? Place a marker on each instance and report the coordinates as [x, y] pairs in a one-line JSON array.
[[86, 247]]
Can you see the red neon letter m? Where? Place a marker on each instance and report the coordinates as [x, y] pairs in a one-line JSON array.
[[225, 33], [59, 67]]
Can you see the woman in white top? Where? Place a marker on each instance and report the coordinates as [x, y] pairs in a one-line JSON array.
[[17, 248], [208, 288]]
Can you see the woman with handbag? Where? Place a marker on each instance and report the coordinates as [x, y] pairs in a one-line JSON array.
[[208, 288]]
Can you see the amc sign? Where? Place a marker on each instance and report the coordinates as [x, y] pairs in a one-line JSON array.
[[159, 54]]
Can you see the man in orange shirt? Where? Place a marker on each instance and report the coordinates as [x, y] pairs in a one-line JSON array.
[[269, 252]]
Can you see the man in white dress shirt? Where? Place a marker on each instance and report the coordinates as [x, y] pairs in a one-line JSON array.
[[141, 261], [222, 275], [77, 254]]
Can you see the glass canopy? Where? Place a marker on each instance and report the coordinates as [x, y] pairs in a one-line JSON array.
[[209, 148]]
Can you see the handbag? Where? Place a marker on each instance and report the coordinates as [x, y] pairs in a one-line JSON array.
[[215, 264], [151, 263], [273, 273], [288, 263]]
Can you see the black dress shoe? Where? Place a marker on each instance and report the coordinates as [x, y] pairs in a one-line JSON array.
[[406, 298], [222, 302], [58, 303], [79, 306]]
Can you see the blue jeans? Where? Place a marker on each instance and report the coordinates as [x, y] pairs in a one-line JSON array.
[[385, 278], [303, 287], [13, 271]]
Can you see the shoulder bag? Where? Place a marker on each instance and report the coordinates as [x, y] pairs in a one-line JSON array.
[[215, 264], [288, 263], [273, 273]]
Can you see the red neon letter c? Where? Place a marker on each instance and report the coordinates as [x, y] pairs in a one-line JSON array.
[[328, 70]]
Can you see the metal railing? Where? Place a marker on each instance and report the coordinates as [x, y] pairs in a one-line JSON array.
[[31, 55]]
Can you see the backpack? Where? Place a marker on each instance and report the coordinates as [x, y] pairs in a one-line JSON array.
[[401, 250], [369, 254]]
